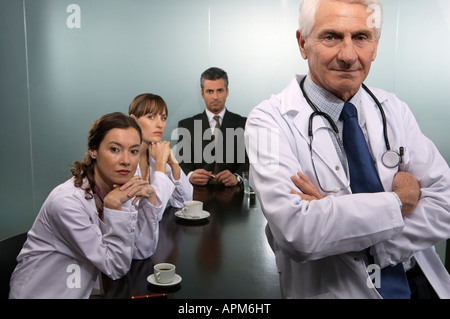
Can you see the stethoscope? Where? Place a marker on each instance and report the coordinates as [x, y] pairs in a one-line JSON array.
[[390, 158]]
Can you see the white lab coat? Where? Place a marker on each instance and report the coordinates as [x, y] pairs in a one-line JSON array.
[[318, 244], [68, 245], [183, 188]]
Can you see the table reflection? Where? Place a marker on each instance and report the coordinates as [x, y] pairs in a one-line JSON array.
[[223, 256]]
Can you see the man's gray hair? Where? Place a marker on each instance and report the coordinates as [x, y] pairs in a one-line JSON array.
[[214, 74], [308, 10]]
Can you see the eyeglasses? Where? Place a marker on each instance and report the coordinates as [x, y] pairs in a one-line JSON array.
[[333, 130]]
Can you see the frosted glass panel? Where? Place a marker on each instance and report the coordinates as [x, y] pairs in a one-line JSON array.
[[423, 66], [16, 193], [122, 49], [382, 73], [255, 42], [68, 67]]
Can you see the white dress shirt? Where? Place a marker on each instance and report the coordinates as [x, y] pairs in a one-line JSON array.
[[211, 120]]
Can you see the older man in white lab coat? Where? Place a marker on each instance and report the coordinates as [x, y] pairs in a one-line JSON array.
[[320, 239]]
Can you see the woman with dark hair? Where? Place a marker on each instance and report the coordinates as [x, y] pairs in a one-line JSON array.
[[96, 222], [157, 162]]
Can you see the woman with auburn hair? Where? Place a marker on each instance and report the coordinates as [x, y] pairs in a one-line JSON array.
[[95, 223], [157, 161]]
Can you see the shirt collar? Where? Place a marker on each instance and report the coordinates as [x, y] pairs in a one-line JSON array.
[[327, 102], [211, 115]]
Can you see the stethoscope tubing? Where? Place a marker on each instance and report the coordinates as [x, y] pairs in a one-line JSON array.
[[316, 112]]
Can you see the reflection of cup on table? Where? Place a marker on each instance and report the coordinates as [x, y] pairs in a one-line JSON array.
[[164, 273], [247, 188], [192, 208]]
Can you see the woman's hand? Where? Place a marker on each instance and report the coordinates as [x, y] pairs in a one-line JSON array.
[[135, 187], [161, 152], [308, 191], [174, 165]]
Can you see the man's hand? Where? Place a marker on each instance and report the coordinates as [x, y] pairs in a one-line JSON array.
[[200, 177], [227, 178], [407, 187], [308, 191]]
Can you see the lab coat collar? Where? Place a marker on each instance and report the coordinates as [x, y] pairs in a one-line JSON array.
[[291, 96], [296, 109], [374, 126], [294, 106], [374, 123]]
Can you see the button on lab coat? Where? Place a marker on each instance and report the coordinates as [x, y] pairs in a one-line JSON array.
[[318, 244]]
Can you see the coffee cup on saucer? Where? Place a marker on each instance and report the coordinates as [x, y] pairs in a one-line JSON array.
[[192, 208], [164, 273]]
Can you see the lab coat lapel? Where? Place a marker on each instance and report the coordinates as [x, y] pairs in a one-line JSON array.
[[325, 151], [323, 147], [374, 125]]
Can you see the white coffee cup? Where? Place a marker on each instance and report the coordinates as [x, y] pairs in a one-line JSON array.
[[192, 208], [164, 273]]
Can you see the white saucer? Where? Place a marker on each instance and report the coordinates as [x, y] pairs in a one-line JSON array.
[[151, 279], [203, 215]]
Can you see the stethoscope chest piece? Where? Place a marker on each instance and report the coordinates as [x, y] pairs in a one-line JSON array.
[[391, 159]]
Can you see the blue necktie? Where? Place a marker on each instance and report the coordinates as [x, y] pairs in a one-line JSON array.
[[364, 179]]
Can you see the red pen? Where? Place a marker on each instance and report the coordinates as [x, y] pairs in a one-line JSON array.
[[149, 296]]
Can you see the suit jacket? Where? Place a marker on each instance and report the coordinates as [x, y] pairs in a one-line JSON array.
[[195, 144]]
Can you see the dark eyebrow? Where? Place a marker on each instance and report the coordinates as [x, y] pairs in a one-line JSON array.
[[154, 114], [115, 143], [364, 32], [120, 145], [330, 32]]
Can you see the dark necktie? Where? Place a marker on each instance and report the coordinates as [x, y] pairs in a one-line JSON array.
[[216, 132], [364, 179]]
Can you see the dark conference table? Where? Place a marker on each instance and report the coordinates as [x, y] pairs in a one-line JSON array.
[[225, 256]]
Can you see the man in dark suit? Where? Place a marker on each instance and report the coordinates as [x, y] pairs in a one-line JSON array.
[[211, 144]]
